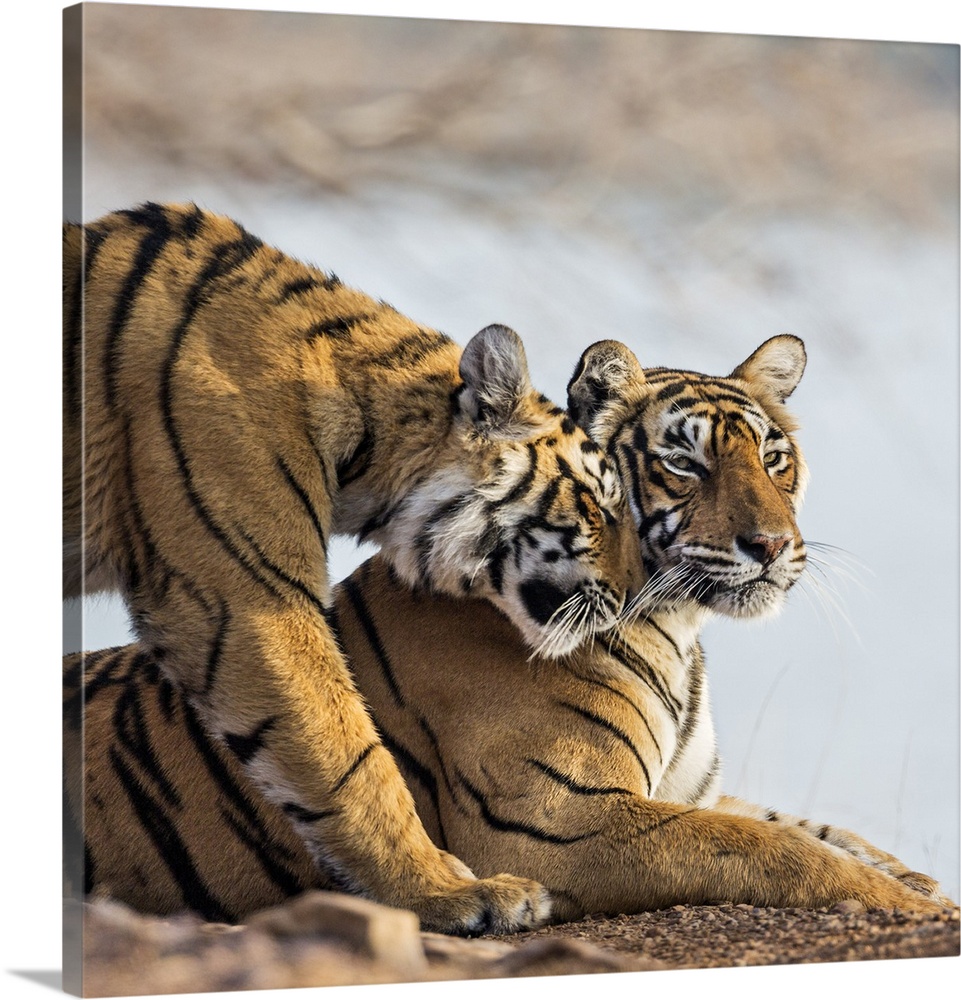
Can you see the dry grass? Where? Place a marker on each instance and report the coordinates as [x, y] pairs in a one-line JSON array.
[[575, 113]]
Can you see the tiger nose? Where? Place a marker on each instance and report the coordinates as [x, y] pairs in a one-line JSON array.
[[763, 548]]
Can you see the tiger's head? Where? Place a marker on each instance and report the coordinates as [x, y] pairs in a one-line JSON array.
[[520, 508], [713, 474]]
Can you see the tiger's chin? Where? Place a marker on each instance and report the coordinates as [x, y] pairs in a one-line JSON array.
[[754, 599], [557, 638]]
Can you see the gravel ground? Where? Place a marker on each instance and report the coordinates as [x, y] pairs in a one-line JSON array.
[[702, 937]]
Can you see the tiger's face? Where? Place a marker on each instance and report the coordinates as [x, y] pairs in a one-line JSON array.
[[522, 509], [713, 476]]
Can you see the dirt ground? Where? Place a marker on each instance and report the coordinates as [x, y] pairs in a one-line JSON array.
[[701, 937], [326, 939]]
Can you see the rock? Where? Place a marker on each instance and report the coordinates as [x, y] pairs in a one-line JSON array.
[[846, 906], [357, 925], [442, 950], [557, 956]]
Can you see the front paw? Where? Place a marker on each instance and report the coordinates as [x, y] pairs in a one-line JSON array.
[[502, 904]]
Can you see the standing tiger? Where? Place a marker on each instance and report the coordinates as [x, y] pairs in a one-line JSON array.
[[227, 409], [596, 774]]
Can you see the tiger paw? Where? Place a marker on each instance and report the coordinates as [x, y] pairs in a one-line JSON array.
[[896, 893], [502, 904], [926, 886]]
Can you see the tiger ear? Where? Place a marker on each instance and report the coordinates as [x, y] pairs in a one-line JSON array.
[[776, 366], [606, 371], [496, 378]]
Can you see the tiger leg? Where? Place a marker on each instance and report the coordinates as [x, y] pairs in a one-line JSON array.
[[637, 854], [223, 567], [857, 846], [276, 692]]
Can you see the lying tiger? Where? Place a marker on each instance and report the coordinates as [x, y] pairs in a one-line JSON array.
[[595, 774], [227, 409]]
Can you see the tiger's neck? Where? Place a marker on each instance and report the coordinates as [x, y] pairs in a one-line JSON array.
[[683, 624], [398, 443]]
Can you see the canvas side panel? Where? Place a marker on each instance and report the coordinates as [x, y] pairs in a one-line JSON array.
[[73, 863]]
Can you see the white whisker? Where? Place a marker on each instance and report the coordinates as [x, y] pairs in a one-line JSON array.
[[829, 601], [657, 590]]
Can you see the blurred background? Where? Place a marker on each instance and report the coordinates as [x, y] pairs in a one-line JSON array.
[[690, 194]]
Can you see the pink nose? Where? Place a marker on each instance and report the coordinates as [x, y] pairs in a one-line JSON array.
[[763, 548]]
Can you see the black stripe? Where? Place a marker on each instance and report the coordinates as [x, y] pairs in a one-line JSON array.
[[675, 389], [225, 258], [329, 484], [302, 815], [717, 394], [413, 769], [305, 500], [297, 287], [72, 675], [726, 560], [361, 757], [152, 561], [574, 786], [338, 328], [623, 697], [192, 223], [362, 612], [144, 214], [616, 732], [521, 487], [714, 423], [270, 856], [217, 768], [511, 826], [631, 419], [657, 628], [665, 820], [98, 675], [246, 746], [708, 776], [380, 518], [166, 698], [151, 247], [625, 458], [423, 543], [170, 846], [91, 240], [435, 745], [737, 426], [695, 686], [640, 667], [357, 464], [125, 559], [495, 565], [216, 649], [410, 350], [133, 734]]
